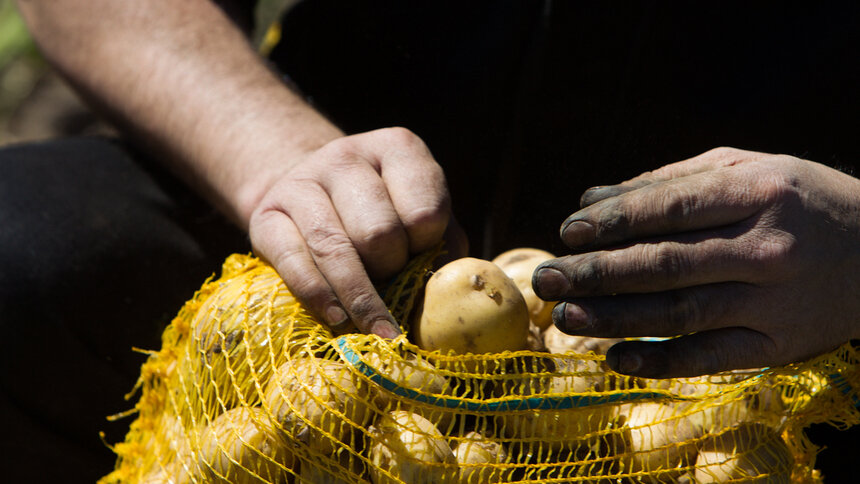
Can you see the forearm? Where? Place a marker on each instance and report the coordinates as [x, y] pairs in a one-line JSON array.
[[183, 81]]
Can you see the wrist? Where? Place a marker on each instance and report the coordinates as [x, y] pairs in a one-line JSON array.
[[268, 157]]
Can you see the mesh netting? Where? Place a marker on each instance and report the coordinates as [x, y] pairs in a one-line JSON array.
[[249, 388]]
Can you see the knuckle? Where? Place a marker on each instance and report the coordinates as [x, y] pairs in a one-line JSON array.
[[784, 184], [782, 179], [667, 263], [380, 237], [678, 206], [325, 243], [773, 252], [307, 287], [340, 151], [432, 216], [312, 290], [723, 151], [684, 313], [401, 136], [726, 154], [587, 275], [715, 357], [361, 305], [614, 219]]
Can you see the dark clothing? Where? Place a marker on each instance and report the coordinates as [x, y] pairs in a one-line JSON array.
[[100, 250], [525, 104]]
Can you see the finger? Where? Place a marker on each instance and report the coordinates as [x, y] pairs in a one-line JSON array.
[[337, 259], [417, 187], [698, 201], [277, 239], [686, 260], [662, 314], [710, 160], [369, 218], [697, 354]]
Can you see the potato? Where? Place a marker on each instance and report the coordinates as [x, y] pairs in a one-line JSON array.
[[411, 448], [655, 438], [750, 452], [415, 374], [519, 264], [240, 447], [471, 306], [554, 430], [236, 334], [474, 450], [534, 342], [323, 393], [345, 468]]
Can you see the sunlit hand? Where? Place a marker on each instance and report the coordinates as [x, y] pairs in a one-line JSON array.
[[352, 213], [752, 259]]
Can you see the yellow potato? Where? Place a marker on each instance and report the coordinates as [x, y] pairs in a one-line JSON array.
[[555, 430], [519, 264], [240, 447], [414, 374], [471, 306], [473, 452], [236, 334], [411, 449], [656, 440], [750, 452], [346, 468], [324, 394]]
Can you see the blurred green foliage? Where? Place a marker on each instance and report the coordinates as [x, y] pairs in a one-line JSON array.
[[14, 39], [21, 66]]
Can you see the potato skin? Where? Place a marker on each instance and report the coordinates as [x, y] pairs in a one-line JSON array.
[[412, 449], [519, 264], [656, 440], [324, 392], [472, 306], [240, 447], [475, 449], [746, 453]]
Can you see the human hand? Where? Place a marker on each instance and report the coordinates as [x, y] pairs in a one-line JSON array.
[[350, 213], [752, 259]]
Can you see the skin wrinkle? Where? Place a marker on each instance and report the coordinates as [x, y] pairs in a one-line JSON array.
[[764, 250]]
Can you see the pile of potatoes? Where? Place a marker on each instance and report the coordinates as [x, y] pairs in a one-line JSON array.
[[315, 419]]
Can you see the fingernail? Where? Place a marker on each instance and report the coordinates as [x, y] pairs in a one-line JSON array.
[[593, 195], [384, 328], [550, 284], [335, 316], [571, 317], [577, 233]]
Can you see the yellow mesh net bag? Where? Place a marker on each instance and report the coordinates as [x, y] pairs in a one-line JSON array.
[[249, 388]]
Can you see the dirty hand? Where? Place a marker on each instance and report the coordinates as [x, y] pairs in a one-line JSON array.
[[752, 259], [352, 212]]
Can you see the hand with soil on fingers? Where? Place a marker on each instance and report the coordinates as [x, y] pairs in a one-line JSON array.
[[749, 259]]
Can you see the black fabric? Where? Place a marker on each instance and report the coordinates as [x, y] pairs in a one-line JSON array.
[[559, 96], [100, 250]]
